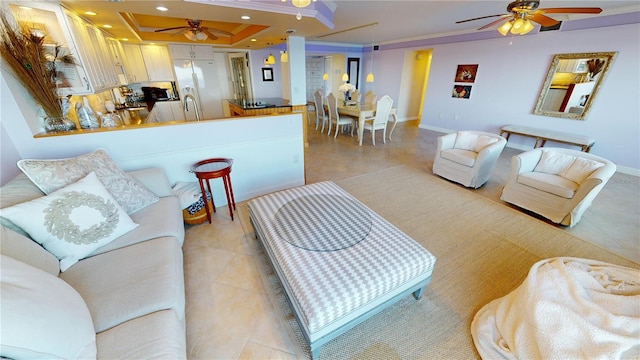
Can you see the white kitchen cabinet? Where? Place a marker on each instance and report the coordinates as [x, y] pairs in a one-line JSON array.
[[193, 52], [135, 68], [164, 111], [51, 20], [158, 62]]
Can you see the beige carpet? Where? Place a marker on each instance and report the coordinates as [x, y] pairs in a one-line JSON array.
[[484, 251]]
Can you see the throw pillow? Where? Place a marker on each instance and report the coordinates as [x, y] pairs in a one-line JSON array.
[[74, 221], [554, 163], [580, 170], [43, 317], [466, 141], [484, 141], [51, 175]]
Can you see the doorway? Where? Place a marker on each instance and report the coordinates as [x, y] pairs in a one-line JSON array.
[[413, 86], [240, 75]]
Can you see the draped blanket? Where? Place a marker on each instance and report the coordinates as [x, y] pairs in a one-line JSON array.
[[566, 308]]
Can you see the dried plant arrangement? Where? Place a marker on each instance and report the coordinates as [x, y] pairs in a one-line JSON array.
[[27, 56]]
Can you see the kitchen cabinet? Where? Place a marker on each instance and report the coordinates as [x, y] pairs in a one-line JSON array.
[[92, 47], [194, 52], [164, 111], [158, 62], [135, 69], [117, 57], [51, 20]]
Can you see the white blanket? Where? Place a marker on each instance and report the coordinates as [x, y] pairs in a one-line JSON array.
[[566, 308]]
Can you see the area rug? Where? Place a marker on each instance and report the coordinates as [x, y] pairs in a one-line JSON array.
[[484, 251]]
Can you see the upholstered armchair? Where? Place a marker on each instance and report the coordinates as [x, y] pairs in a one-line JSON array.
[[468, 157], [559, 184]]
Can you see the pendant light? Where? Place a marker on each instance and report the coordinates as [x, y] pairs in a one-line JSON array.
[[284, 57], [345, 77], [370, 77], [325, 77], [270, 60]]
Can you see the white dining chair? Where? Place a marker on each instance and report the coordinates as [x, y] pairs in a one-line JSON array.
[[356, 96], [337, 119], [379, 121], [321, 116], [370, 97]]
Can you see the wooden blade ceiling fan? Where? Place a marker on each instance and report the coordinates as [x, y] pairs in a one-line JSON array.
[[195, 31], [520, 13]]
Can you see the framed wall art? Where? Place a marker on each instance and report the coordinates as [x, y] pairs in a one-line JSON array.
[[461, 91], [267, 74], [466, 73]]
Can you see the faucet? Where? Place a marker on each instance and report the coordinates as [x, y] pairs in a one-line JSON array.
[[195, 105]]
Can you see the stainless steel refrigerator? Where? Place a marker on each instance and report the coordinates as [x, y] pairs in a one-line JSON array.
[[207, 81]]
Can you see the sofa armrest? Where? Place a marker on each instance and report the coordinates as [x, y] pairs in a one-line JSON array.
[[529, 160], [154, 179]]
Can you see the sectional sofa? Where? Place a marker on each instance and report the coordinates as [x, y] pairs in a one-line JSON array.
[[118, 299]]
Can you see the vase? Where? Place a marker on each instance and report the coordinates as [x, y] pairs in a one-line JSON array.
[[58, 124]]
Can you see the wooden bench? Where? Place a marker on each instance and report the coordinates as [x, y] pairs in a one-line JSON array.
[[542, 135]]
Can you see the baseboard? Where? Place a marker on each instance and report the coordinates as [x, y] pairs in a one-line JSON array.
[[621, 169]]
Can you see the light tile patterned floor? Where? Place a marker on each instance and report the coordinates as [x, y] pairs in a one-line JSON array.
[[229, 315]]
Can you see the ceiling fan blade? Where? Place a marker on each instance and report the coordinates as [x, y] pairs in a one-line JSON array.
[[209, 33], [172, 28], [219, 32], [479, 18], [181, 31], [542, 20], [494, 22], [572, 10]]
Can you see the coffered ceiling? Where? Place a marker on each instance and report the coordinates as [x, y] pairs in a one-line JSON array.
[[271, 21]]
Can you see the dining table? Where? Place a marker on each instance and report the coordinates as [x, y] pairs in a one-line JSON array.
[[363, 111]]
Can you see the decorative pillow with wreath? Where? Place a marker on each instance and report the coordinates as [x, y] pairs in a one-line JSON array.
[[74, 221]]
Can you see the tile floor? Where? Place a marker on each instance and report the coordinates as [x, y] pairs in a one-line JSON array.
[[229, 315]]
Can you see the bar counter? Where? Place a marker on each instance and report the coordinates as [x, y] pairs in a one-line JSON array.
[[263, 106]]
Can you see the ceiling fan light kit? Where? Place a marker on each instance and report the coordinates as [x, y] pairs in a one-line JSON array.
[[521, 14]]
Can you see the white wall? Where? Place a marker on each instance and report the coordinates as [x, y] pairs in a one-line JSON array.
[[268, 152]]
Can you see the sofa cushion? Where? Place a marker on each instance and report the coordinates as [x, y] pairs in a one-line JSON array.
[[484, 141], [133, 281], [161, 219], [73, 221], [466, 141], [553, 184], [16, 191], [24, 249], [554, 163], [580, 169], [51, 175], [42, 316], [460, 156], [160, 335]]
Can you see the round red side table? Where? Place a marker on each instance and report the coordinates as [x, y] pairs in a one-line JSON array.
[[215, 168]]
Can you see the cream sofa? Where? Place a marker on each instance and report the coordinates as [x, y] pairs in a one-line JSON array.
[[468, 157], [133, 287], [559, 184]]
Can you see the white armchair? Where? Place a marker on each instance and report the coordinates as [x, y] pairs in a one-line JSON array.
[[559, 184], [468, 157]]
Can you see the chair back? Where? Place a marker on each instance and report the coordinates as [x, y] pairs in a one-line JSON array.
[[317, 97], [332, 104], [356, 96], [370, 97], [383, 108]]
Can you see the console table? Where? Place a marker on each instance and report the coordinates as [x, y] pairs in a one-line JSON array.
[[542, 135]]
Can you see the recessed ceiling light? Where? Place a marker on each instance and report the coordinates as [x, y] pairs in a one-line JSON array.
[[245, 17], [107, 26], [254, 40], [124, 39], [25, 8], [90, 13], [162, 8]]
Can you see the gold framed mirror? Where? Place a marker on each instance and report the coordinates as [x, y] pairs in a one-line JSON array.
[[572, 83]]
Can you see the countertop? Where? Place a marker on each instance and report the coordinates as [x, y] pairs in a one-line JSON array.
[[260, 103]]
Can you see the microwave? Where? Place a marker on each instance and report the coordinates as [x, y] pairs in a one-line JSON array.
[[155, 93]]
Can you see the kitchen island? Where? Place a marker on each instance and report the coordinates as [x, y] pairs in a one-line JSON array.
[[263, 106]]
